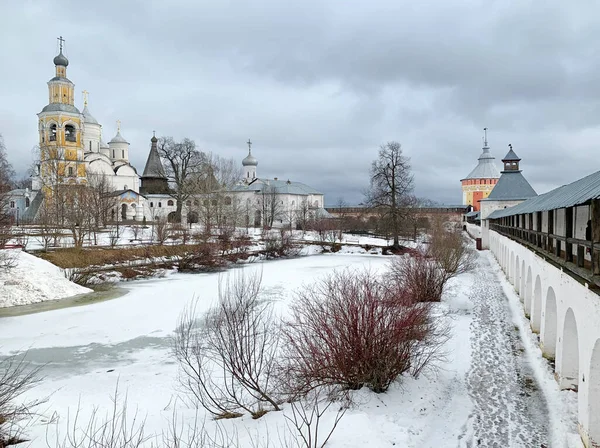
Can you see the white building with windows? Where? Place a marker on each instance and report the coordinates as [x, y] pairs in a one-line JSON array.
[[285, 203]]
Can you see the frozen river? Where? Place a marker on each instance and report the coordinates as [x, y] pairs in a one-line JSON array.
[[475, 400]]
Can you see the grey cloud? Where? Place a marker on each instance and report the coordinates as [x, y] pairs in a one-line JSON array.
[[319, 85]]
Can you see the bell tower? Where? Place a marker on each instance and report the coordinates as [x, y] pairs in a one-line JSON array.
[[60, 130]]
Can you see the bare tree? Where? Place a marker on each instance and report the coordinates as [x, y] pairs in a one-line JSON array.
[[303, 215], [79, 212], [102, 201], [342, 216], [184, 164], [271, 205], [391, 185], [161, 230], [228, 358]]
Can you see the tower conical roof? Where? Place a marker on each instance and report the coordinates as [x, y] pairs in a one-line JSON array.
[[486, 167], [511, 156], [154, 167]]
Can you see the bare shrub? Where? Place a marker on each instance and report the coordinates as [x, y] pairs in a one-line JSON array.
[[201, 257], [351, 329], [425, 275], [305, 428], [113, 236], [9, 258], [80, 276], [119, 428], [327, 231], [420, 277], [227, 358], [136, 231], [16, 378], [161, 230], [280, 244], [448, 247]]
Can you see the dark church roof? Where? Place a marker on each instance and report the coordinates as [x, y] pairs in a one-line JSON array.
[[511, 186], [154, 167], [511, 156]]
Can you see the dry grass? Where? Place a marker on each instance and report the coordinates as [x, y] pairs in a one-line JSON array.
[[82, 258]]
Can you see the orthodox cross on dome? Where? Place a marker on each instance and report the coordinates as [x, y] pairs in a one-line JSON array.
[[61, 42], [485, 141], [85, 97], [118, 125], [153, 133], [249, 146]]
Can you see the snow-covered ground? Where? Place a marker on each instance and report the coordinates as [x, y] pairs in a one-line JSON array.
[[495, 390], [33, 280]]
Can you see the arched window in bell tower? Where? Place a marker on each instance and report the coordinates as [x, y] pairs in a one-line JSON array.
[[70, 135], [52, 133]]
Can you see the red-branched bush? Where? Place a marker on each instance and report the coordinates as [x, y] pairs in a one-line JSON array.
[[420, 277], [352, 329]]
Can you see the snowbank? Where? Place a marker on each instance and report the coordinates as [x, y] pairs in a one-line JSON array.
[[34, 280]]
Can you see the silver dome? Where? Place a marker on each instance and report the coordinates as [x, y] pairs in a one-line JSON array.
[[118, 138], [249, 160], [61, 59]]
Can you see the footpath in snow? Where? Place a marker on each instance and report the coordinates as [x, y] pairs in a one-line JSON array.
[[516, 400]]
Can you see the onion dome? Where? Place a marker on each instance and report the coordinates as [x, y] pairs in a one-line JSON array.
[[249, 160], [61, 59]]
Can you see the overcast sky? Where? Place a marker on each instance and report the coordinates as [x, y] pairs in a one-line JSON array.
[[318, 85]]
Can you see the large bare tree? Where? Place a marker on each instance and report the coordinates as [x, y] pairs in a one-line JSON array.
[[183, 163], [391, 186]]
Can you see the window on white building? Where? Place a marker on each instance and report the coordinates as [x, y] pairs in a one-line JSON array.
[[151, 204], [26, 202], [160, 204], [170, 203], [122, 153], [12, 204]]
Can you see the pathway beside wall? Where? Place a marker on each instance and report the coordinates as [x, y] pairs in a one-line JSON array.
[[510, 407]]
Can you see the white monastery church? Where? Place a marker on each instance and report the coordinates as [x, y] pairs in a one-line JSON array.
[[72, 148]]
